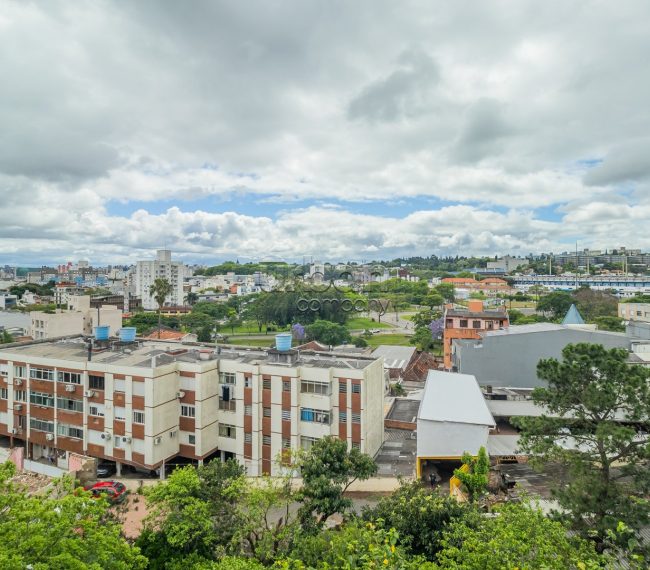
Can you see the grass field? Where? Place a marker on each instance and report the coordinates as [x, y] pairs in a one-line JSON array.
[[391, 339], [257, 342], [362, 323]]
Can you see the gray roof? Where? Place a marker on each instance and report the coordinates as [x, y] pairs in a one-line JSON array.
[[573, 316], [454, 398], [394, 356]]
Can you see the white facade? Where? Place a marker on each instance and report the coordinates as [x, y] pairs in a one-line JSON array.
[[146, 272], [634, 312], [453, 417], [130, 407]]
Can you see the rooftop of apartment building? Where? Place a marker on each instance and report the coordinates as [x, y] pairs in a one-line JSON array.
[[142, 352], [488, 314]]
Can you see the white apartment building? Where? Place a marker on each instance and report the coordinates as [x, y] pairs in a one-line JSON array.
[[79, 319], [146, 272], [634, 312], [144, 403]]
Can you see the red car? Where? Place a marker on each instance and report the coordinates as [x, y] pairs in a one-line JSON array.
[[113, 491]]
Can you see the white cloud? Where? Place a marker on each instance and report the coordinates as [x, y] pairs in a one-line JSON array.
[[487, 108]]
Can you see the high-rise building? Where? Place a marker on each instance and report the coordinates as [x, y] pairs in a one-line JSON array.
[[146, 272]]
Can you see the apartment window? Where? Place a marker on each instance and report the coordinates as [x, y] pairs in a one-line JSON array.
[[191, 439], [356, 418], [309, 387], [476, 324], [248, 438], [226, 430], [95, 382], [286, 415], [248, 381], [266, 440], [248, 410], [490, 325], [286, 443], [343, 386], [4, 370], [69, 377], [306, 442], [314, 416], [4, 394], [356, 388], [41, 374], [70, 431], [188, 411], [227, 378], [227, 405], [266, 412], [286, 385], [463, 323], [343, 417], [266, 383], [41, 399], [20, 372], [41, 425], [70, 405], [138, 417], [94, 411], [20, 395]]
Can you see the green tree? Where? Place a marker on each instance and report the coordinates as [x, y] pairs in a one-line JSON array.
[[328, 333], [59, 529], [419, 516], [597, 408], [160, 290], [475, 480], [433, 300], [233, 321], [593, 304], [354, 547], [205, 334], [5, 337], [556, 303], [328, 469], [446, 291], [423, 339], [519, 537], [194, 512], [191, 298], [614, 324]]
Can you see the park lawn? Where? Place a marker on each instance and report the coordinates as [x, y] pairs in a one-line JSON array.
[[392, 339], [256, 342], [363, 323]]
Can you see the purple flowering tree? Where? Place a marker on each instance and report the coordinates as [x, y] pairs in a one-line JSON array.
[[298, 331], [437, 327]]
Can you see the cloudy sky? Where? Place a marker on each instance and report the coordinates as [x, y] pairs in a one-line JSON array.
[[335, 129]]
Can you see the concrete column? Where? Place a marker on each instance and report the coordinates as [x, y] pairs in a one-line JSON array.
[[118, 467], [162, 471], [223, 456], [200, 462]]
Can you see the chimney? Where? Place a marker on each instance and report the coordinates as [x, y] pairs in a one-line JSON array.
[[475, 305]]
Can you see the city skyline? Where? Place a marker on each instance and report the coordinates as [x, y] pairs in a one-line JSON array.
[[335, 131]]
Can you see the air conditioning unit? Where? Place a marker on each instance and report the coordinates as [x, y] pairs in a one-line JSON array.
[[180, 394], [126, 439], [69, 388], [173, 433], [89, 393], [18, 381], [157, 440], [18, 407], [49, 436], [106, 436]]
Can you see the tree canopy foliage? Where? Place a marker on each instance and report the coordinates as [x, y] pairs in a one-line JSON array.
[[598, 417]]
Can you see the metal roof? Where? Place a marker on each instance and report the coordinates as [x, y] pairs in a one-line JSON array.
[[394, 356], [455, 398]]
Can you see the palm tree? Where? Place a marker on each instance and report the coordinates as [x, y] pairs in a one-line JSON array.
[[191, 298], [160, 289]]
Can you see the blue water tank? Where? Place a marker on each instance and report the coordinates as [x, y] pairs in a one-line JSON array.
[[101, 332], [283, 341], [127, 334]]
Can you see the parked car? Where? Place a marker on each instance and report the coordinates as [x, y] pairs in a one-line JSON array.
[[113, 491], [106, 469]]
